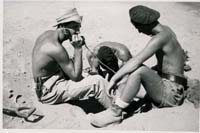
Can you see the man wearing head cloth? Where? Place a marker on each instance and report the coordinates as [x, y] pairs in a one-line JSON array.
[[164, 85], [58, 78]]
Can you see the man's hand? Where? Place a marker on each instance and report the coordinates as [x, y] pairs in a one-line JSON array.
[[83, 40], [111, 88], [90, 71], [77, 41]]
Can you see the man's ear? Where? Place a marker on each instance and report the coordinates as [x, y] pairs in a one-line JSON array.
[[60, 26]]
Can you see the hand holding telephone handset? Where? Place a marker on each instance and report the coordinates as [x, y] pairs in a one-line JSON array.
[[77, 41]]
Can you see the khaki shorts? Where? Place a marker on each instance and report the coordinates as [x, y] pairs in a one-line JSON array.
[[173, 94]]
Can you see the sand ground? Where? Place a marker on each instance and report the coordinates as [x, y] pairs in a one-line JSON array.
[[103, 21]]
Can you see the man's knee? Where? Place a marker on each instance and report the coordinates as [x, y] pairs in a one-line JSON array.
[[96, 79], [140, 71], [100, 89], [88, 54], [99, 79]]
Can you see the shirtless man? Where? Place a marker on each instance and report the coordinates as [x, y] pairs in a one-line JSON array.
[[113, 55], [165, 86], [58, 78]]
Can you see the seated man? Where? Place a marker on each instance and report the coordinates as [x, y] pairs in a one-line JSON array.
[[108, 55], [166, 86], [58, 78]]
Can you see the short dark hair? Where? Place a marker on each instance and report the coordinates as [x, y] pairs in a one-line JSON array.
[[107, 57]]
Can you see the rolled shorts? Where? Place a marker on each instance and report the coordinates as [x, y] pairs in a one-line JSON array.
[[173, 94]]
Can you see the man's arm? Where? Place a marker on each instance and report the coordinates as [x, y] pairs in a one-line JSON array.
[[154, 44], [123, 54], [72, 69], [120, 50]]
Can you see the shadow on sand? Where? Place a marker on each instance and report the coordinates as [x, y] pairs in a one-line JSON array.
[[92, 106]]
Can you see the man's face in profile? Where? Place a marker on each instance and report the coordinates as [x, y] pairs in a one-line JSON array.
[[143, 28], [74, 26]]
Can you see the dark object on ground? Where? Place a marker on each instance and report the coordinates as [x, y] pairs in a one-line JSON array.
[[27, 113], [23, 112]]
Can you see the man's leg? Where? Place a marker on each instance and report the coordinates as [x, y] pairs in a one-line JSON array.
[[122, 83], [151, 81], [91, 86], [153, 85]]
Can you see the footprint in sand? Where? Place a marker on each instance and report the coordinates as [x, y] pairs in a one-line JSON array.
[[17, 99], [11, 94]]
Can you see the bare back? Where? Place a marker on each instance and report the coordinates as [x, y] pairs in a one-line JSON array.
[[120, 50], [42, 63]]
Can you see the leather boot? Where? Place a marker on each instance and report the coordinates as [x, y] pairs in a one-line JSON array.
[[112, 115]]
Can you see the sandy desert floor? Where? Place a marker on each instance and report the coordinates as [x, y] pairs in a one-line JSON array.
[[103, 21]]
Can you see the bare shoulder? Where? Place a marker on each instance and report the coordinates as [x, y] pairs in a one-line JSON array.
[[48, 43], [111, 44], [54, 49], [166, 35], [161, 38], [114, 45], [121, 50]]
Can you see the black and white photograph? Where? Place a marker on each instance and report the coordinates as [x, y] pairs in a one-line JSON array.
[[101, 65]]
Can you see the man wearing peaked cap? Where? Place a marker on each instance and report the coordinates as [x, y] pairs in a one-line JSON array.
[[143, 15], [58, 78], [164, 85]]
